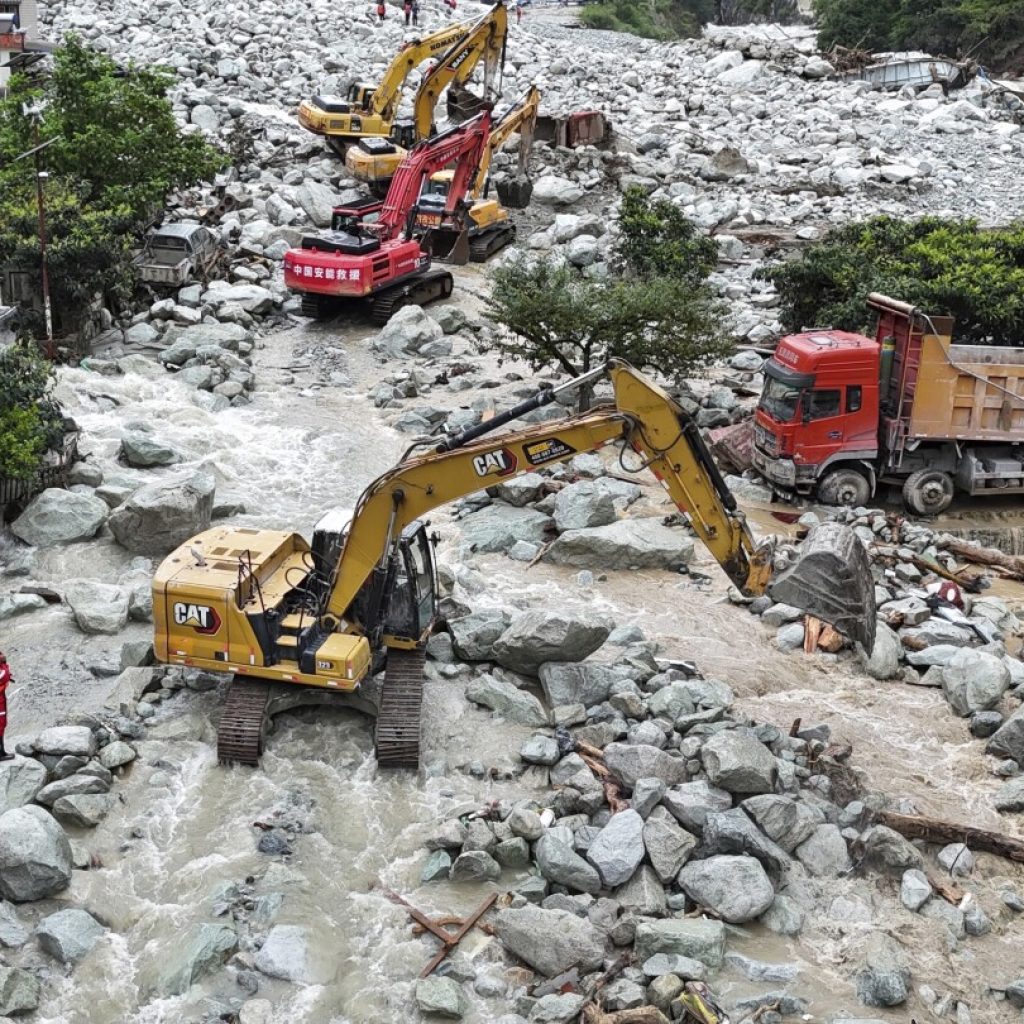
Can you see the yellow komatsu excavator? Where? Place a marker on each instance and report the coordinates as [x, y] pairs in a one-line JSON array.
[[374, 161], [490, 224], [368, 112], [271, 608]]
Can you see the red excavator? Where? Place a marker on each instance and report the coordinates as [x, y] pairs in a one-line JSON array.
[[378, 261]]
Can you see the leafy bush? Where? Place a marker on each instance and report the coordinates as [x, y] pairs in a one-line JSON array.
[[944, 267], [652, 19], [30, 421]]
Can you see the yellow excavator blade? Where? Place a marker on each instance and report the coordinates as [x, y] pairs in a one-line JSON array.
[[831, 580]]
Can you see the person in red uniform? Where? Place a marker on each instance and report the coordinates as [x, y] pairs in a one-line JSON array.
[[5, 678]]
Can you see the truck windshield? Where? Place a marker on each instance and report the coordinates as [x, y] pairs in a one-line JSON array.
[[779, 400]]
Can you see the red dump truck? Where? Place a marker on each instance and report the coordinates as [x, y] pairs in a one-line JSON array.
[[841, 413]]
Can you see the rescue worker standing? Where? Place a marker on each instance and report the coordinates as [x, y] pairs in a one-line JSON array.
[[381, 11], [5, 678]]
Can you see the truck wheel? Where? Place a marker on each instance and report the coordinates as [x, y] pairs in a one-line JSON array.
[[844, 487], [928, 492]]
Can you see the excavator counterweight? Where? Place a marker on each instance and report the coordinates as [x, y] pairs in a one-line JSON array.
[[328, 614]]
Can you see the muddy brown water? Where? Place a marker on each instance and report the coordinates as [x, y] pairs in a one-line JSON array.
[[184, 826]]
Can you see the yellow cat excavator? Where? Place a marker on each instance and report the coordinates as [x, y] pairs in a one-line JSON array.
[[374, 161], [368, 112], [490, 225], [271, 608]]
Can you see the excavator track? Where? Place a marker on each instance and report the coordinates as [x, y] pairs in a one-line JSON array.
[[485, 245], [313, 306], [398, 719], [431, 285], [242, 721]]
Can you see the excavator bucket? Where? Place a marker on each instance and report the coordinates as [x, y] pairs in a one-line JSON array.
[[449, 246], [515, 193], [831, 580]]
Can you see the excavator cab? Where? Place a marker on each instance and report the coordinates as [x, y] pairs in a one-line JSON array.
[[411, 604]]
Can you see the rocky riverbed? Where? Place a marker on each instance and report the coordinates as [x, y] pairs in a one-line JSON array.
[[140, 882]]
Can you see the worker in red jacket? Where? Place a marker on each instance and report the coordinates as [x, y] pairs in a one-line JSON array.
[[5, 678]]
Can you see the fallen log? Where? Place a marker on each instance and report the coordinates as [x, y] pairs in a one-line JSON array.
[[1013, 564], [934, 830], [641, 1015]]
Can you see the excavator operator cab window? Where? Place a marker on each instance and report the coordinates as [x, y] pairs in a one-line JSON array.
[[411, 607]]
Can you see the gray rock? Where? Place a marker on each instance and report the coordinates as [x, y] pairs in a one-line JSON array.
[[60, 740], [35, 855], [581, 505], [630, 762], [512, 703], [19, 604], [886, 849], [557, 1009], [437, 866], [520, 490], [160, 516], [142, 450], [624, 544], [98, 607], [735, 888], [1010, 796], [884, 660], [196, 954], [586, 683], [116, 754], [825, 854], [559, 863], [473, 635], [19, 991], [475, 866], [791, 637], [82, 810], [551, 190], [497, 527], [69, 935], [643, 894], [758, 970], [74, 785], [952, 917], [784, 916], [883, 978], [974, 681], [317, 201], [691, 802], [668, 845], [1008, 739], [702, 940], [293, 953], [618, 848], [59, 517], [13, 931], [915, 889], [513, 853], [647, 794], [525, 823], [738, 763], [536, 637], [683, 967], [20, 780], [733, 832], [957, 859], [550, 941], [784, 820], [441, 997], [539, 750]]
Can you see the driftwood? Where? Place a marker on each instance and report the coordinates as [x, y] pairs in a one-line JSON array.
[[593, 758], [820, 636], [641, 1015], [934, 830], [1012, 564]]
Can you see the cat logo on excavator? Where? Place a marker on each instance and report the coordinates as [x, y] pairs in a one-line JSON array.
[[200, 617], [499, 463]]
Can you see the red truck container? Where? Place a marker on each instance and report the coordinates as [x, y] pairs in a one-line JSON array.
[[841, 413]]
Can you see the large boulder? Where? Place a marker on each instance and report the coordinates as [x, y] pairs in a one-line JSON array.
[[667, 843], [587, 683], [974, 681], [97, 607], [142, 449], [884, 660], [624, 544], [317, 202], [497, 527], [35, 855], [738, 763], [85, 810], [59, 517], [159, 517], [618, 849], [536, 637], [559, 863], [194, 955], [630, 762], [408, 331], [551, 190], [473, 635], [782, 819], [19, 991], [20, 780], [292, 953], [1008, 739], [735, 888], [253, 298], [550, 941], [581, 505], [691, 802], [702, 940], [61, 740], [825, 854], [69, 934], [441, 997], [510, 702]]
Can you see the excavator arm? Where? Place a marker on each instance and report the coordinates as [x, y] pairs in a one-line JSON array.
[[484, 41], [834, 583], [522, 118], [463, 144]]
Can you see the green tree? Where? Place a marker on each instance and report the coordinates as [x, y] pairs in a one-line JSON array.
[[115, 152], [30, 420], [653, 19], [945, 267]]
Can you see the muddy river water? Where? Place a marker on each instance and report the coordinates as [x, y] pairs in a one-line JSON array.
[[181, 840]]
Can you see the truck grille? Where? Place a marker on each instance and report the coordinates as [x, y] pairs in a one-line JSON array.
[[764, 438]]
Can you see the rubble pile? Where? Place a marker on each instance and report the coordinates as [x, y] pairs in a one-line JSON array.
[[673, 825]]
